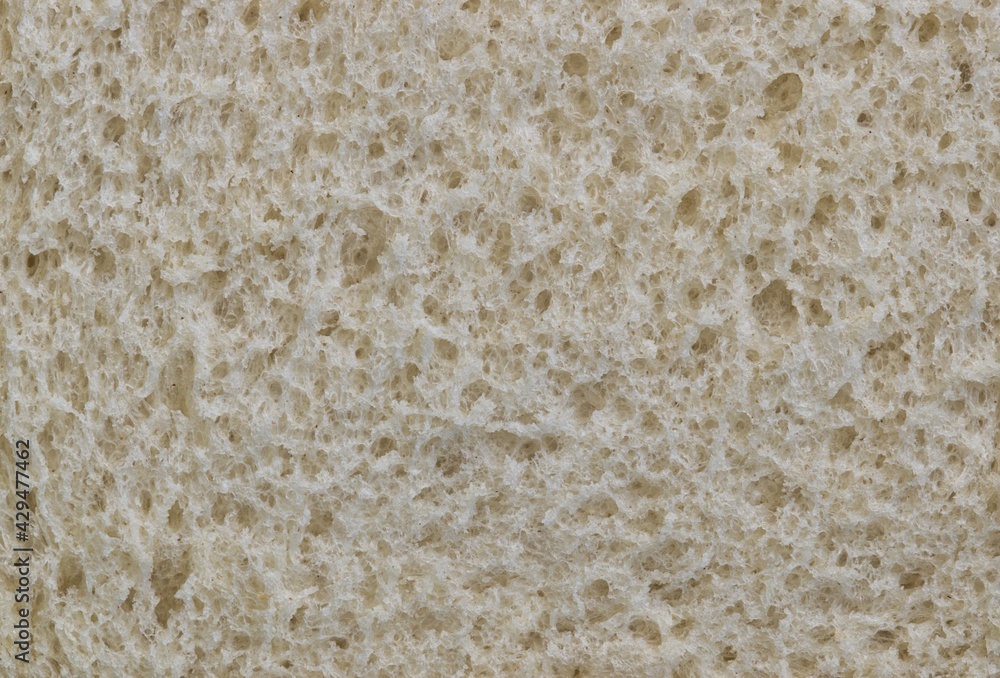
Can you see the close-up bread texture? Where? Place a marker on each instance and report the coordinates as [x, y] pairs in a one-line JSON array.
[[480, 338]]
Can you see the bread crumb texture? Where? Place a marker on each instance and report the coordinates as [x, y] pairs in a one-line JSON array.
[[489, 338]]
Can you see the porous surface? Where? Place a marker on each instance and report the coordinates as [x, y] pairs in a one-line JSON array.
[[504, 339]]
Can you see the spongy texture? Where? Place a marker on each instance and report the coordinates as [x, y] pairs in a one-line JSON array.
[[493, 338]]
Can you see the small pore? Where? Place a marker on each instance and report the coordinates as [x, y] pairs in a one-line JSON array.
[[71, 575], [975, 202], [613, 36], [783, 94], [445, 350], [817, 315], [587, 399], [706, 341], [965, 73], [647, 629], [473, 392], [168, 576], [251, 15], [453, 44], [774, 308], [576, 64], [360, 252], [928, 27], [689, 207], [383, 446], [175, 516], [311, 10], [543, 301], [843, 438], [530, 201], [114, 130]]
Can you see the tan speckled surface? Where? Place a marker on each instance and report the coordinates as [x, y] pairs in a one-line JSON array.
[[503, 339]]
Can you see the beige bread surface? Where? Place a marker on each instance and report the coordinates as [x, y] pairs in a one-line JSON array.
[[504, 339]]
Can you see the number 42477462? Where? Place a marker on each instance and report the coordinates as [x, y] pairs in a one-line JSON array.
[[21, 485]]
